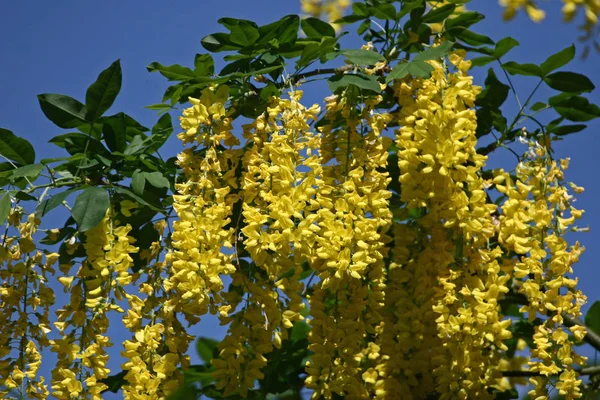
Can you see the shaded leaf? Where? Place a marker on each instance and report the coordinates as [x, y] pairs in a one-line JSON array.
[[90, 207], [434, 53], [438, 14], [362, 57], [398, 72], [49, 204], [16, 148], [204, 65], [30, 171], [206, 348], [244, 34], [592, 317], [316, 28], [367, 82], [5, 207], [420, 69], [138, 182], [156, 179]]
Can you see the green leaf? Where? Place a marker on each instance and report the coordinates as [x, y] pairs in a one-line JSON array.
[[49, 204], [504, 45], [514, 68], [114, 132], [569, 82], [115, 382], [90, 207], [575, 108], [160, 106], [360, 9], [473, 38], [157, 179], [383, 11], [285, 31], [15, 148], [129, 193], [30, 171], [244, 34], [206, 348], [567, 129], [434, 53], [204, 65], [102, 93], [420, 69], [464, 19], [438, 14], [173, 72], [161, 131], [219, 42], [299, 331], [538, 106], [362, 81], [138, 182], [64, 111], [5, 206], [21, 195], [592, 317], [135, 145], [309, 54], [495, 92], [560, 59], [362, 57], [398, 72], [316, 28]]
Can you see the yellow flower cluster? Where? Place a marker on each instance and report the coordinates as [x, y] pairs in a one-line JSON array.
[[534, 218], [204, 205], [281, 170], [83, 323], [591, 10], [318, 200], [353, 218], [158, 346], [440, 173], [330, 10], [25, 301]]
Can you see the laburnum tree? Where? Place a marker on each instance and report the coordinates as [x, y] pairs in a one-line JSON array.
[[355, 248]]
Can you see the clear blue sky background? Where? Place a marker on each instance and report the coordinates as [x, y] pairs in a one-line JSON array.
[[61, 46]]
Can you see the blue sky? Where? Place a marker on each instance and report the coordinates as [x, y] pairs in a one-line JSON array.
[[61, 47]]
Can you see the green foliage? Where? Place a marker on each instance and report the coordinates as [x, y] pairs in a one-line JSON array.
[[15, 148], [592, 317]]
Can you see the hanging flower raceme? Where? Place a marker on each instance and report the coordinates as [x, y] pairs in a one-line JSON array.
[[534, 219], [25, 301], [281, 171], [83, 323], [204, 204], [353, 217], [156, 348], [440, 174]]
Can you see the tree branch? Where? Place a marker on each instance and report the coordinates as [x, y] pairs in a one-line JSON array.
[[321, 71]]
